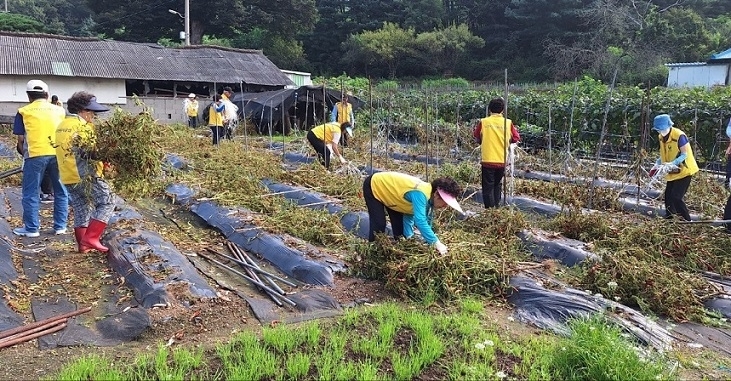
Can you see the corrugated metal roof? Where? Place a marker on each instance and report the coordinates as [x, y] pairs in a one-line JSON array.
[[40, 54], [679, 64], [724, 55]]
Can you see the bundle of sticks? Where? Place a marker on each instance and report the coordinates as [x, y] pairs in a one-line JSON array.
[[28, 332], [263, 280]]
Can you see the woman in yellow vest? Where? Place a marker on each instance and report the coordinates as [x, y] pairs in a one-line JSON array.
[[214, 114], [324, 139], [82, 171], [675, 152], [409, 202]]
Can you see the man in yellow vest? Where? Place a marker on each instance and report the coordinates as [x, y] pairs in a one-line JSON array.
[[190, 106], [677, 154], [409, 202], [35, 125], [343, 113], [494, 133]]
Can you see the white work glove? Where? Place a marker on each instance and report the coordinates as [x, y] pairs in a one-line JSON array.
[[671, 167], [342, 159], [441, 248]]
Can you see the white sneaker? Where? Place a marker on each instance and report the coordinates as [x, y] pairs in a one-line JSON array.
[[60, 231], [24, 233]]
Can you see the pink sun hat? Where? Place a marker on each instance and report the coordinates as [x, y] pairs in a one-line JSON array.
[[450, 200]]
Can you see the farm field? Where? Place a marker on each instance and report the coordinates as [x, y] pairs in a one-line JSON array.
[[422, 311]]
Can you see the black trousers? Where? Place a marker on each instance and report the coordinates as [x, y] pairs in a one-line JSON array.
[[217, 133], [492, 186], [192, 121], [46, 184], [377, 214], [674, 193], [323, 154]]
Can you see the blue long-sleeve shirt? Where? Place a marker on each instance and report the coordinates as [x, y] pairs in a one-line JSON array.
[[422, 217], [334, 115]]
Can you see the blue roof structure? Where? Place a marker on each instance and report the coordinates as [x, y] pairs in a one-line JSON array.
[[724, 55]]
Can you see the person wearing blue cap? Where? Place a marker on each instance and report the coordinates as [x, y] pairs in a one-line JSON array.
[[677, 154]]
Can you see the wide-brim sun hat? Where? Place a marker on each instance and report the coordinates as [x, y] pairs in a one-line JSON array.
[[450, 200], [95, 106], [662, 122], [191, 95]]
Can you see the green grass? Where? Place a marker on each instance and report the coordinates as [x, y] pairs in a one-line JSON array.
[[392, 342]]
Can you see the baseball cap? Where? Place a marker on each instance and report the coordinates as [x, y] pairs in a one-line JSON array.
[[662, 122], [36, 86], [95, 106], [191, 95], [450, 200]]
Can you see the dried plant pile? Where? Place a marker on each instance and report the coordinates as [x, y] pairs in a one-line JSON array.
[[128, 142], [483, 252], [570, 195], [652, 264]]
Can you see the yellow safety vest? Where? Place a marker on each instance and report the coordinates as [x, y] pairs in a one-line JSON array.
[[325, 131], [495, 138], [192, 108], [344, 111], [669, 151], [40, 119], [391, 187], [215, 118], [71, 168]]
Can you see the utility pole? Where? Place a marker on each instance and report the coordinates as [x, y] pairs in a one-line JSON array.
[[187, 21]]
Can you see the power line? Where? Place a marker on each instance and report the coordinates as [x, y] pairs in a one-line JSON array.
[[164, 4]]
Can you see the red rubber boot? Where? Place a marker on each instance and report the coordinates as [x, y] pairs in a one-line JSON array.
[[93, 233], [79, 234]]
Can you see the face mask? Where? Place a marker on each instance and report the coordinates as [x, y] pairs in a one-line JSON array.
[[664, 132]]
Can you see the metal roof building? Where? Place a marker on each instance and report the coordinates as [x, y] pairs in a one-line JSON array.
[[50, 55]]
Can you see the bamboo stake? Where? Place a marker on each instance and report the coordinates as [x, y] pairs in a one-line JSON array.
[[15, 330]]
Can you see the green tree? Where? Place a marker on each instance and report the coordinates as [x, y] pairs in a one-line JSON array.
[[385, 46], [142, 21], [67, 17], [19, 23], [443, 48], [283, 52]]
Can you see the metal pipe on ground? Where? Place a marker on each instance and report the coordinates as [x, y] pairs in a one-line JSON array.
[[23, 328], [252, 274], [10, 343], [33, 330], [254, 267], [251, 280], [246, 258]]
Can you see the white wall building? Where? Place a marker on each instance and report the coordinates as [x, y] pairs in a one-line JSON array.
[[715, 72]]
